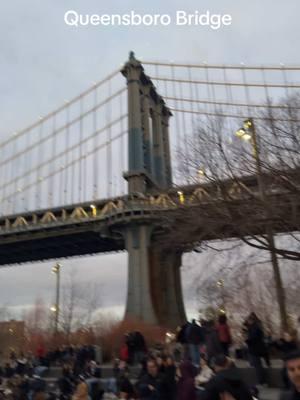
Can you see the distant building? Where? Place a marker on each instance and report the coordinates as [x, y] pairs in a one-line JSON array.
[[12, 337]]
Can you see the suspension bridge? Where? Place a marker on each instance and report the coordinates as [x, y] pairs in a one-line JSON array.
[[104, 173]]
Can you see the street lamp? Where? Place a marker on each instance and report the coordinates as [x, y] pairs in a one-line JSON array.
[[55, 308], [243, 134], [181, 197], [220, 284], [248, 133], [94, 210], [201, 174]]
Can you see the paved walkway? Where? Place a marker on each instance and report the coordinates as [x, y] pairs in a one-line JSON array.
[[269, 394]]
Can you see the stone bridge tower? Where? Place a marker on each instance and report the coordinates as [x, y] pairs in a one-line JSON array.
[[154, 282]]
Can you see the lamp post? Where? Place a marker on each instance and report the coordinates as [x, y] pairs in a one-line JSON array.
[[55, 309], [248, 133], [220, 285]]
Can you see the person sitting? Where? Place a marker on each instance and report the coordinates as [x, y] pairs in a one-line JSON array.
[[150, 385], [81, 392], [186, 386], [226, 382], [64, 383], [169, 378], [205, 375], [292, 364]]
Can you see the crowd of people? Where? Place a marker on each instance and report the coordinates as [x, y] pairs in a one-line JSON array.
[[194, 364]]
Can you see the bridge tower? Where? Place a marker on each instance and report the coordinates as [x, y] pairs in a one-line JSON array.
[[154, 283]]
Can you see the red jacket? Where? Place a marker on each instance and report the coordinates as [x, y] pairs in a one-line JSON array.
[[124, 352], [224, 333]]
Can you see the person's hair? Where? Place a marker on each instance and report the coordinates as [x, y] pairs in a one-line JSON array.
[[220, 361], [292, 356], [222, 319], [254, 317], [153, 360], [210, 323]]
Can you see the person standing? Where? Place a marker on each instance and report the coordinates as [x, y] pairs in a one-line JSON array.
[[194, 338], [212, 342], [256, 346], [224, 334]]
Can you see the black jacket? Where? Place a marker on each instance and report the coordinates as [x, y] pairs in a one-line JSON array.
[[256, 340], [143, 387], [227, 381], [194, 334], [169, 382], [293, 395]]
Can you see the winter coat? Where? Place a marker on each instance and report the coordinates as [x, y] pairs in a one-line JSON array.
[[124, 354], [194, 334], [181, 336], [293, 395], [145, 393], [224, 333], [169, 382], [286, 347], [81, 392], [227, 381], [186, 387], [213, 345], [39, 396], [255, 340]]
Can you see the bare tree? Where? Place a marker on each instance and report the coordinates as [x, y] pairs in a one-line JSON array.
[[254, 188], [247, 286], [79, 301], [225, 161]]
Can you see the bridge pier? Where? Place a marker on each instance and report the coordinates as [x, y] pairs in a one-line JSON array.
[[154, 293], [166, 286], [154, 283], [139, 295]]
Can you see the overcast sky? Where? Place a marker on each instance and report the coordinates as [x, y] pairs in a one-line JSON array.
[[43, 62]]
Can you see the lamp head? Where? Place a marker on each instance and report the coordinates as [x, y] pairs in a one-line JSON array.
[[248, 124]]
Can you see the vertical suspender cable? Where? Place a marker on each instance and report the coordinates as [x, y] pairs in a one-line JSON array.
[[61, 172], [67, 144], [80, 150], [176, 142], [185, 133], [292, 114], [95, 154], [38, 171], [13, 173], [3, 180], [193, 141], [109, 144], [246, 87], [122, 162], [26, 179], [229, 98], [52, 177]]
